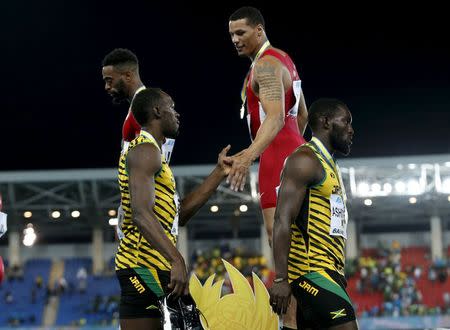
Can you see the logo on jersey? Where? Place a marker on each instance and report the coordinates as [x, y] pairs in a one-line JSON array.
[[309, 288], [337, 314], [138, 286], [337, 190]]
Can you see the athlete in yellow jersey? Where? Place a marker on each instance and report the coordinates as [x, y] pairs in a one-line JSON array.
[[311, 225], [148, 265]]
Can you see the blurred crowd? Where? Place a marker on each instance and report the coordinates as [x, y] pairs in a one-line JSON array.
[[206, 263], [383, 273]]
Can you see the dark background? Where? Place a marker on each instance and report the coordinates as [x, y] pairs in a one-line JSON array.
[[390, 65]]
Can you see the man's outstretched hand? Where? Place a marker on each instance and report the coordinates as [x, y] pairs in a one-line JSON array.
[[240, 164]]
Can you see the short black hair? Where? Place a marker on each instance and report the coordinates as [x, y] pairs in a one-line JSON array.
[[253, 16], [323, 107], [121, 57], [144, 102]]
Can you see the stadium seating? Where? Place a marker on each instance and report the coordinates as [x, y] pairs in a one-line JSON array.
[[24, 309]]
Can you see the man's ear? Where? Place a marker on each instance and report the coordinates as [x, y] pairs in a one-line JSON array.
[[157, 112], [128, 76], [325, 121], [259, 30]]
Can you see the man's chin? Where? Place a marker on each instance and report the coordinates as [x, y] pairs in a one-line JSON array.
[[118, 100], [172, 135], [345, 151]]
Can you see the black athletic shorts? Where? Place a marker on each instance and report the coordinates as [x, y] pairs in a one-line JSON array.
[[140, 289], [322, 301]]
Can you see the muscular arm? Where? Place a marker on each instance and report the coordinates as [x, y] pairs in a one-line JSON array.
[[268, 78], [302, 116], [198, 197], [302, 169], [268, 82], [143, 162]]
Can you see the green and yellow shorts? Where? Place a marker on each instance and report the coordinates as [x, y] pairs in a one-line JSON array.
[[322, 300], [140, 289]]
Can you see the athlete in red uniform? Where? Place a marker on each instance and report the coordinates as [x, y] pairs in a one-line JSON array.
[[288, 137], [276, 113], [122, 81]]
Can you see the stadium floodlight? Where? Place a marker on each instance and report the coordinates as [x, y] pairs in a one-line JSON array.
[[413, 187], [214, 208], [113, 222], [447, 164], [387, 187], [412, 166], [400, 187], [412, 200], [446, 185], [27, 214], [112, 213], [399, 167], [448, 198], [75, 214], [368, 202], [29, 236], [56, 214], [243, 208], [29, 239], [363, 188], [376, 188], [28, 230]]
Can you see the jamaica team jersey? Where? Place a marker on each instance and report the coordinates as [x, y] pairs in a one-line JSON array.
[[318, 234], [134, 251]]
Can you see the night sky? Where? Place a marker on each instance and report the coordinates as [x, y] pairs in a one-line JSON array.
[[392, 68]]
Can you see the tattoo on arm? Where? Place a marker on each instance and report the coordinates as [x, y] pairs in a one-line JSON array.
[[270, 87]]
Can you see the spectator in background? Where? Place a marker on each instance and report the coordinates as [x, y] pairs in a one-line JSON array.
[[374, 278], [16, 273], [395, 246], [82, 279], [417, 272], [48, 293], [446, 298], [39, 282], [432, 275], [9, 298], [61, 285], [442, 275], [363, 280]]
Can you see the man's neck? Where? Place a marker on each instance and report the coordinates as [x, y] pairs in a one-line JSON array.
[[133, 88], [326, 142], [257, 49], [156, 133]]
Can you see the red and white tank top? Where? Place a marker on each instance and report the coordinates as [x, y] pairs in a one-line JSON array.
[[255, 112]]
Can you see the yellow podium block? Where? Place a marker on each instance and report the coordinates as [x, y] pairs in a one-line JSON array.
[[243, 309]]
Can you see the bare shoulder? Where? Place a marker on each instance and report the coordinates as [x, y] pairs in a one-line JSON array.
[[282, 52], [145, 156], [267, 62], [273, 59], [272, 64], [303, 162]]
